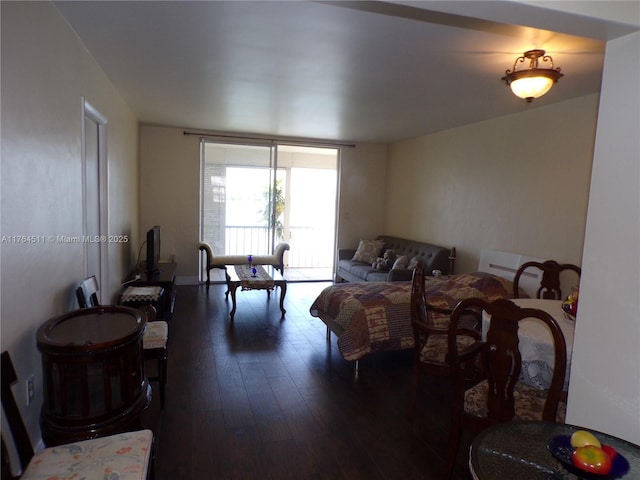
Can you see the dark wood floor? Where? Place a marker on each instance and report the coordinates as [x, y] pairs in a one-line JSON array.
[[270, 398]]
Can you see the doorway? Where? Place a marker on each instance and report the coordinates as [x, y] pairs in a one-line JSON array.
[[95, 200], [255, 196]]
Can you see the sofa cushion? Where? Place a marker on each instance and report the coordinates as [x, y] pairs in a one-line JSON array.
[[347, 265], [368, 251], [401, 262], [361, 271], [376, 276]]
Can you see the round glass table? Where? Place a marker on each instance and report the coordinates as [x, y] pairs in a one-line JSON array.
[[519, 450]]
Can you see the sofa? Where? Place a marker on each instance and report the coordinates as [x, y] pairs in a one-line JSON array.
[[355, 264], [220, 261]]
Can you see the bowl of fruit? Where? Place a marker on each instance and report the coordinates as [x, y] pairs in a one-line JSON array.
[[570, 304], [585, 456]]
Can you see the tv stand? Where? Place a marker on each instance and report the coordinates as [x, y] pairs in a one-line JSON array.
[[165, 277]]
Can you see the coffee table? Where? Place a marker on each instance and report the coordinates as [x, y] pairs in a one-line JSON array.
[[266, 278]]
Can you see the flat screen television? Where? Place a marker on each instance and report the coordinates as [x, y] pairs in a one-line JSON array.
[[153, 250]]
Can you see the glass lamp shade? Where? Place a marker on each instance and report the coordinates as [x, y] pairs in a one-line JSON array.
[[533, 82], [531, 87]]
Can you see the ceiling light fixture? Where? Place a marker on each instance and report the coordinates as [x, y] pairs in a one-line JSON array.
[[533, 82]]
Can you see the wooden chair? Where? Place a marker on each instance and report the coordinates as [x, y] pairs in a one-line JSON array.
[[129, 454], [156, 334], [430, 333], [501, 397], [550, 283]]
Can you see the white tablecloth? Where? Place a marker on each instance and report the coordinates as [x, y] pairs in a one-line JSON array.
[[536, 342]]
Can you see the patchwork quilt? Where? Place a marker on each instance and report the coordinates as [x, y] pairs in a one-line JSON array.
[[375, 317]]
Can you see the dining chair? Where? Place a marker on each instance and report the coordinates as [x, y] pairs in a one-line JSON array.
[[550, 282], [128, 455], [155, 337], [502, 396], [430, 333]]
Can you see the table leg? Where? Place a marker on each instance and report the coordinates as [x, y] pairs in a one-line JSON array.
[[283, 292], [233, 287]]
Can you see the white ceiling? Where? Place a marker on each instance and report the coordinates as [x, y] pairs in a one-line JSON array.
[[347, 71]]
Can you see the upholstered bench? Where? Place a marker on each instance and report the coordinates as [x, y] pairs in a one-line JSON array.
[[220, 261]]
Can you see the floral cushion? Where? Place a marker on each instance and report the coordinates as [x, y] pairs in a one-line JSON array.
[[124, 456], [155, 335], [368, 251], [529, 402], [436, 348]]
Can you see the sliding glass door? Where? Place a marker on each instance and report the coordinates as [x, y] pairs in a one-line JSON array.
[[255, 196], [237, 186], [310, 213]]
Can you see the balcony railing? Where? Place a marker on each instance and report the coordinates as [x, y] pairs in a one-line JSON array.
[[310, 247]]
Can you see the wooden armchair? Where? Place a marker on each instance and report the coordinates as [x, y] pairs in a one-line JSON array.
[[550, 283], [129, 454], [501, 397], [430, 332]]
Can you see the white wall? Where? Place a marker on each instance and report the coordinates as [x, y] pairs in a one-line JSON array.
[[45, 74], [502, 184], [170, 194], [605, 378], [362, 194]]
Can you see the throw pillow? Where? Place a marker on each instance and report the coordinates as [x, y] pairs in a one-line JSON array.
[[368, 251], [401, 262]]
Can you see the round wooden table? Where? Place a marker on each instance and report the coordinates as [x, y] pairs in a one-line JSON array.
[[93, 373], [518, 450]]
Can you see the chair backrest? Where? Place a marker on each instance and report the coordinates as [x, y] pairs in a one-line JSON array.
[[550, 283], [423, 327], [87, 293], [16, 425], [501, 355], [428, 320], [418, 303], [422, 313]]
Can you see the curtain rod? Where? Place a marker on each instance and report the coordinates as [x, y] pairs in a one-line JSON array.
[[280, 140]]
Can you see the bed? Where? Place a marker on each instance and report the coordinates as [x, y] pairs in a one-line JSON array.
[[374, 317]]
